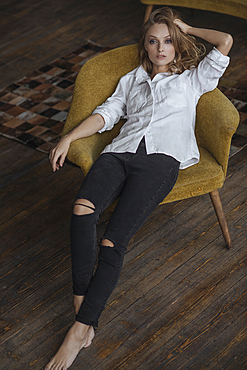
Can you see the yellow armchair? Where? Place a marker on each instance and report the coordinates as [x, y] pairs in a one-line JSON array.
[[217, 120]]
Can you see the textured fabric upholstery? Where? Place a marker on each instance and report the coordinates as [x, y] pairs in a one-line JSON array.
[[217, 120], [237, 8]]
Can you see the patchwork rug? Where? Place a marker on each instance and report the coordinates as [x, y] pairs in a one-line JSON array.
[[33, 109]]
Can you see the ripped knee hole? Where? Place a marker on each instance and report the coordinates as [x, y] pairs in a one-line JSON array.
[[83, 207], [107, 243]]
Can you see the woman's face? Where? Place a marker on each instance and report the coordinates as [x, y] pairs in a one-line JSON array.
[[159, 47]]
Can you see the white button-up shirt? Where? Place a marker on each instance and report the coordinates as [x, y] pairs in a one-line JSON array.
[[163, 110]]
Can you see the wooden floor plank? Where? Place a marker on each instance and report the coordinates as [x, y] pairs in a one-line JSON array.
[[159, 336], [162, 335], [212, 322], [222, 348], [238, 361], [43, 182]]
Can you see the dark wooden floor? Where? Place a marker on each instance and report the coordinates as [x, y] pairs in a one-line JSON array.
[[181, 299]]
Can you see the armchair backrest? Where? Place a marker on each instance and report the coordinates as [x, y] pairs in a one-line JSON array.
[[98, 79]]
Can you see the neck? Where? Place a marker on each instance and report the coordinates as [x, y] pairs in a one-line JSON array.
[[158, 69]]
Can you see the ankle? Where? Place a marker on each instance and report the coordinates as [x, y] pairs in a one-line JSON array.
[[78, 299], [80, 329]]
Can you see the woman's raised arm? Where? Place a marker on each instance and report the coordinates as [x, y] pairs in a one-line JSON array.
[[88, 127], [221, 40]]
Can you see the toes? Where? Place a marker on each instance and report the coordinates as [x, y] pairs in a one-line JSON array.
[[49, 366], [52, 365]]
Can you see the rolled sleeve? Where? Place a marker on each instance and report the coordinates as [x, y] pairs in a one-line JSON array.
[[114, 107], [206, 76]]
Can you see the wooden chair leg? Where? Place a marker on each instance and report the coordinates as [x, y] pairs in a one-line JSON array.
[[215, 198], [148, 12]]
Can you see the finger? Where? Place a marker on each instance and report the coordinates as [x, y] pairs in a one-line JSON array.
[[55, 159], [51, 154], [62, 159], [54, 164], [54, 167]]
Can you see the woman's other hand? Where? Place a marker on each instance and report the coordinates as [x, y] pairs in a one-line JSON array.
[[59, 152]]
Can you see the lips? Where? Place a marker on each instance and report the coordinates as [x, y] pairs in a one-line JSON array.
[[160, 56]]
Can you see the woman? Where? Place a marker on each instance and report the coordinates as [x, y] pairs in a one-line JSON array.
[[141, 165]]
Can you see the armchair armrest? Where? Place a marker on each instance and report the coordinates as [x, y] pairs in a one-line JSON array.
[[84, 152], [216, 122], [89, 92]]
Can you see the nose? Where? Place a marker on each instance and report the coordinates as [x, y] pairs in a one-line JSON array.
[[160, 47]]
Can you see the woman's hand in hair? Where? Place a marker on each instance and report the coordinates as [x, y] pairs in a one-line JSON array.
[[183, 26], [221, 40]]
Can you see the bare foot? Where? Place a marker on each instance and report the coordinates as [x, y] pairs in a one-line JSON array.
[[79, 336]]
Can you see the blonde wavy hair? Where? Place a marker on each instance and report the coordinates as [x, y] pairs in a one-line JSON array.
[[188, 52]]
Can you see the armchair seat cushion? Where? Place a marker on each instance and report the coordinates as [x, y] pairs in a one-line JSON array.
[[199, 179]]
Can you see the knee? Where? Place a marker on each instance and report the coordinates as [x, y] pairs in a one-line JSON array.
[[109, 256], [107, 243], [83, 207]]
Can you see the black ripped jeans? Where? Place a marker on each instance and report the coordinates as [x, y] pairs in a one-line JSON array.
[[141, 182]]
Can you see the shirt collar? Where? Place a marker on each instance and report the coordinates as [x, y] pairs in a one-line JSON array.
[[141, 75]]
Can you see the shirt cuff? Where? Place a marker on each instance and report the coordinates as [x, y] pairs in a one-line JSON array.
[[216, 56]]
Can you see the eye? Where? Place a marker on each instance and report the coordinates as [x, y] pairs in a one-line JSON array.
[[168, 41], [152, 41]]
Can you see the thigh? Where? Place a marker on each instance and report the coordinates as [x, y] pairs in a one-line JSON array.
[[149, 181], [103, 183]]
